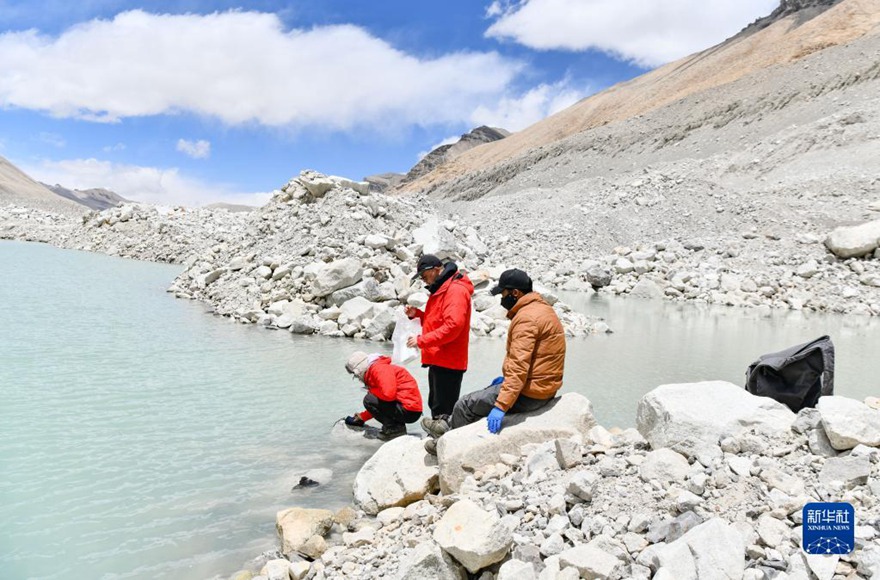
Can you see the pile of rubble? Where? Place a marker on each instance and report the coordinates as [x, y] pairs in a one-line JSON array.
[[327, 256], [711, 485]]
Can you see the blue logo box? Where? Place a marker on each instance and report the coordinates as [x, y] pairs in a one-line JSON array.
[[829, 528]]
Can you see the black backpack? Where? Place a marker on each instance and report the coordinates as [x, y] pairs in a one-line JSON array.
[[796, 376]]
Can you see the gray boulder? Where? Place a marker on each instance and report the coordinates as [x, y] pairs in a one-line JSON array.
[[849, 422], [297, 526], [382, 322], [336, 275], [854, 241], [428, 562], [316, 183], [466, 449], [399, 473], [474, 537], [590, 561], [517, 570], [436, 239], [692, 418], [598, 275], [665, 466], [713, 550], [354, 311], [851, 471], [647, 289]]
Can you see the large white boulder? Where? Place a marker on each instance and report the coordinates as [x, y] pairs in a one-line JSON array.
[[354, 311], [362, 187], [714, 550], [369, 288], [316, 183], [664, 465], [336, 275], [590, 561], [474, 537], [848, 422], [297, 526], [464, 450], [399, 473], [382, 322], [436, 240], [428, 562], [854, 241], [692, 418], [647, 289]]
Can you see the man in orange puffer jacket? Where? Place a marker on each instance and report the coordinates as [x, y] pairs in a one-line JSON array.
[[446, 327], [533, 365], [392, 398]]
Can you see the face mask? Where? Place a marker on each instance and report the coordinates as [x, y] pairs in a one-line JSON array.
[[508, 301]]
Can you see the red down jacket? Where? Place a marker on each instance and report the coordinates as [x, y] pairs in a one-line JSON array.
[[391, 383], [446, 324]]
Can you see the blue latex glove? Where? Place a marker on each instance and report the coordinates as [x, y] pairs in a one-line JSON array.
[[497, 381], [494, 420]]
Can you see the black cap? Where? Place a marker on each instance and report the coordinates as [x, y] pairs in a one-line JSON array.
[[427, 262], [513, 280]]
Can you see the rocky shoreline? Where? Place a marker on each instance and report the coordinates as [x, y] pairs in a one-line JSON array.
[[328, 256], [711, 484], [324, 256]]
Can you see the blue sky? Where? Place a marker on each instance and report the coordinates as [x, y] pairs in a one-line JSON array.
[[195, 101]]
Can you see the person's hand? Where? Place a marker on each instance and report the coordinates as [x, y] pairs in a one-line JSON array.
[[410, 311], [412, 342], [354, 421], [494, 420]]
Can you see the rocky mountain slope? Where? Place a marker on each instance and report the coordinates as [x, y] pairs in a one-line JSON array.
[[16, 188], [96, 198], [389, 181], [734, 164], [784, 39], [445, 153]]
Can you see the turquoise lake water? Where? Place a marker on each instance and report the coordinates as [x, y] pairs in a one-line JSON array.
[[143, 438]]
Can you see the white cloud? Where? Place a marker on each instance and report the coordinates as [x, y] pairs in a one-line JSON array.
[[518, 112], [196, 149], [495, 9], [113, 148], [242, 67], [646, 33], [145, 184], [52, 139]]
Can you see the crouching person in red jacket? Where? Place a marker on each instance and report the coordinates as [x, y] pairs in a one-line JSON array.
[[392, 398]]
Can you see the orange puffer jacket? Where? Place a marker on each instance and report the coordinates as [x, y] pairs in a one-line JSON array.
[[535, 356]]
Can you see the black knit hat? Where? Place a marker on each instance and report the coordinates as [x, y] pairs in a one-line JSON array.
[[513, 280], [427, 262]]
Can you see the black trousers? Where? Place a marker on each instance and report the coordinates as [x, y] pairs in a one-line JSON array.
[[389, 413], [474, 406], [444, 387]]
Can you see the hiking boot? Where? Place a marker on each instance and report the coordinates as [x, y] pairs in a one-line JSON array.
[[390, 432], [431, 446], [435, 427]]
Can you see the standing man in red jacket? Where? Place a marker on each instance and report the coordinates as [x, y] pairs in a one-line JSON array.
[[392, 398], [446, 325]]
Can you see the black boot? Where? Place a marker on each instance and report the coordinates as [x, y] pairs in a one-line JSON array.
[[389, 432]]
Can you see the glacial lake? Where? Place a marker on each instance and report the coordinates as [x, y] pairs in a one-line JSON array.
[[143, 438]]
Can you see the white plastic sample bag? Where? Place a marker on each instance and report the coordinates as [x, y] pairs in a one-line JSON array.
[[403, 329]]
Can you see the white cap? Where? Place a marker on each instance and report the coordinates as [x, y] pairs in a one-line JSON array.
[[358, 363]]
